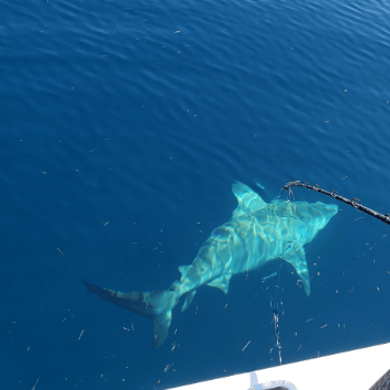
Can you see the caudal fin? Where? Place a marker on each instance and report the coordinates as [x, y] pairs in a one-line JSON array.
[[161, 326], [156, 305]]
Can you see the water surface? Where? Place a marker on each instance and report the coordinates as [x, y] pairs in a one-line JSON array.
[[123, 126]]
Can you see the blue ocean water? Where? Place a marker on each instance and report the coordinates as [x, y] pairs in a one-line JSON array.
[[123, 125]]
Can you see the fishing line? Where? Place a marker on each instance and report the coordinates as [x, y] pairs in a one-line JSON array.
[[274, 304], [354, 202]]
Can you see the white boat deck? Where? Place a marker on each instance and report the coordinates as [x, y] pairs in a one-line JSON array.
[[357, 370]]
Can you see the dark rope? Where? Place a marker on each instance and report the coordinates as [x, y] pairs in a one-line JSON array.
[[354, 202]]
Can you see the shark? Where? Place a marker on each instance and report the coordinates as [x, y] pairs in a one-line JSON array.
[[256, 234]]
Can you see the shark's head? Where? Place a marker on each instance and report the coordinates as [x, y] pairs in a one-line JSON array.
[[316, 216]]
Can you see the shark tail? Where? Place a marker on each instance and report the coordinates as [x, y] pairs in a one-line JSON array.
[[161, 326], [156, 305]]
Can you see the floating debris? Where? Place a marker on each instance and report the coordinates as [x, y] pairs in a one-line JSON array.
[[246, 345]]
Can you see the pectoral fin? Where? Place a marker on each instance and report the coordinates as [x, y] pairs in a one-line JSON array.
[[295, 255], [248, 200]]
